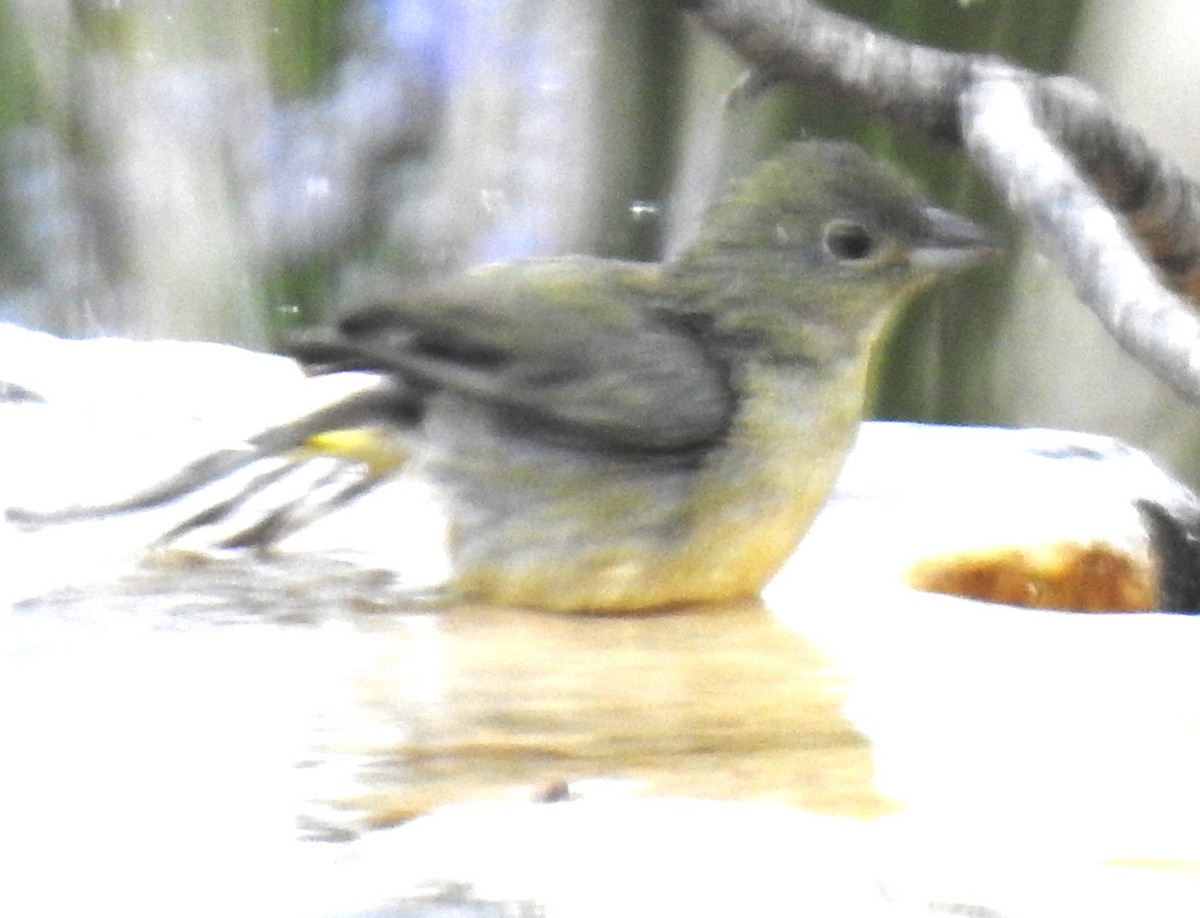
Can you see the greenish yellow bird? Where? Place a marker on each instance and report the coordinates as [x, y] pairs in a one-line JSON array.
[[614, 436]]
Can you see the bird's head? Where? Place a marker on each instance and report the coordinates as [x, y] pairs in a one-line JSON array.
[[825, 236]]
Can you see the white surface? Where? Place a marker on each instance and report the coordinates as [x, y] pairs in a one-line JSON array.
[[1028, 747]]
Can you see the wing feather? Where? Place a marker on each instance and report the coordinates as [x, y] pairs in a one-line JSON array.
[[563, 343]]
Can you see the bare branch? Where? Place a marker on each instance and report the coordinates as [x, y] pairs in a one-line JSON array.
[[1161, 203], [1108, 271], [910, 84]]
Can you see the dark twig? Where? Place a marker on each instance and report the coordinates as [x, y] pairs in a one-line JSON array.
[[1160, 203]]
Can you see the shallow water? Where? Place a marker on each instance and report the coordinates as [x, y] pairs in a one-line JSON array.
[[238, 719]]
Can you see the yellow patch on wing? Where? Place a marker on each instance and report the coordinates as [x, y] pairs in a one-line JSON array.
[[373, 447]]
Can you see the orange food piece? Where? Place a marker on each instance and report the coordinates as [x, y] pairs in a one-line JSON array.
[[1087, 577]]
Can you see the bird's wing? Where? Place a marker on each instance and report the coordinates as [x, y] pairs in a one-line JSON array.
[[573, 346]]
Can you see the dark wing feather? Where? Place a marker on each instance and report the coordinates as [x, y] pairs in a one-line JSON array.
[[578, 346]]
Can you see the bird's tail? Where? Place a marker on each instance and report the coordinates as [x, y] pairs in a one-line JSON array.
[[348, 446]]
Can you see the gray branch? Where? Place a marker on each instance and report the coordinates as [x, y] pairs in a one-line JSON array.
[[1110, 274]]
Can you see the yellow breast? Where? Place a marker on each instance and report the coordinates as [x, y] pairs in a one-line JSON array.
[[644, 541]]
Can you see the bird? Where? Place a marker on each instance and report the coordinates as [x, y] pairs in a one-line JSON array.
[[613, 436]]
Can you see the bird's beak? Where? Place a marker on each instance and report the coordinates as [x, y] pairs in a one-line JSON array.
[[950, 241]]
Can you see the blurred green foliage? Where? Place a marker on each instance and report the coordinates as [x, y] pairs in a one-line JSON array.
[[304, 42], [21, 99]]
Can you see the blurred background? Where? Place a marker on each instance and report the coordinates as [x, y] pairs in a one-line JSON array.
[[211, 169]]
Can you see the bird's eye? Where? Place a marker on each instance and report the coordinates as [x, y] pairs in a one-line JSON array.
[[846, 240]]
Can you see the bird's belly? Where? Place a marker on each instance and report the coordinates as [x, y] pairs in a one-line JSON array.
[[566, 532], [549, 527]]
